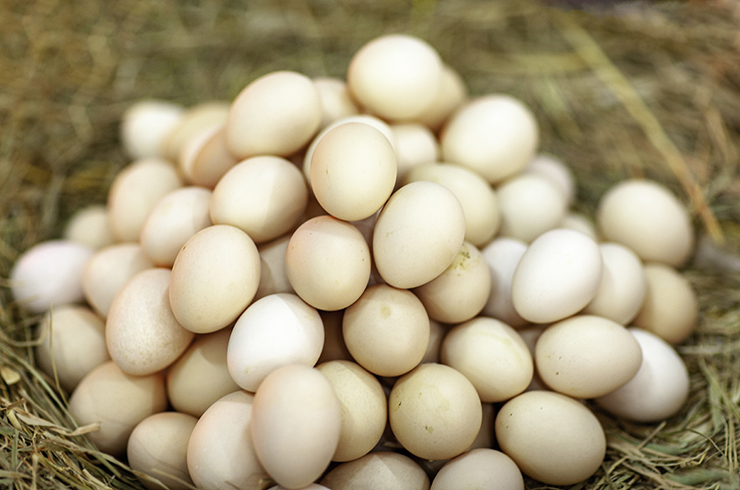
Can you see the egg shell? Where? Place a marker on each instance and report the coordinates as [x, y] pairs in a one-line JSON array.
[[135, 191], [530, 205], [551, 437], [415, 145], [395, 76], [555, 171], [451, 95], [264, 196], [118, 401], [273, 275], [214, 278], [142, 334], [494, 135], [530, 334], [194, 121], [220, 453], [49, 273], [173, 220], [276, 114], [579, 222], [334, 347], [207, 158], [200, 376], [157, 447], [502, 256], [108, 270], [670, 309], [587, 356], [557, 276], [437, 332], [89, 226], [484, 469], [418, 234], [72, 343], [145, 124], [382, 469], [648, 218], [434, 412], [336, 103], [658, 390], [296, 417]]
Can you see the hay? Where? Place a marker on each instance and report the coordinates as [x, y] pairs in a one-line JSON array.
[[652, 91]]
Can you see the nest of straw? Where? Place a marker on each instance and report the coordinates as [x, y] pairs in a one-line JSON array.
[[633, 90]]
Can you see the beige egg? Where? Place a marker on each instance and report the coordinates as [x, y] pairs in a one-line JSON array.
[[437, 332], [220, 452], [451, 95], [336, 102], [89, 226], [530, 335], [461, 291], [648, 218], [334, 347], [477, 197], [415, 145], [623, 284], [214, 278], [157, 447], [207, 158], [556, 172], [173, 220], [296, 422], [395, 76], [579, 222], [273, 275], [435, 412], [186, 158], [382, 469], [108, 270], [200, 376], [145, 124], [364, 408], [141, 332], [484, 469], [118, 402], [418, 234], [551, 437], [557, 276], [72, 343], [49, 273], [386, 330], [135, 191], [194, 121], [671, 309], [328, 263], [502, 256], [587, 356], [530, 205], [494, 135], [276, 114]]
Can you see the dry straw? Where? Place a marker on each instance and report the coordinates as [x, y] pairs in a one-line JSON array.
[[633, 90]]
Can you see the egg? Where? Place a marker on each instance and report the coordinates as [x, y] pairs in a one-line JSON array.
[[296, 423], [334, 347], [273, 275], [214, 278], [206, 159], [194, 121], [530, 205], [437, 332], [336, 102], [484, 469], [89, 226], [382, 469], [555, 171], [451, 95], [145, 124], [579, 222], [415, 145], [49, 273], [551, 437], [502, 256]]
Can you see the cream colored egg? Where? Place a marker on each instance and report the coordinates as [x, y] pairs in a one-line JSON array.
[[579, 222], [451, 95], [435, 412], [623, 284], [484, 469], [146, 124], [276, 114], [502, 256], [273, 276], [557, 276], [328, 263], [382, 469], [296, 418], [336, 102], [263, 196], [658, 390], [49, 273], [200, 376], [492, 355], [587, 356], [386, 330], [334, 347], [364, 408], [207, 158], [135, 191], [214, 278], [418, 234], [461, 291], [530, 335], [89, 227], [157, 447], [648, 218], [194, 121], [556, 172], [173, 220], [108, 270], [395, 76], [494, 135], [530, 205], [72, 343], [118, 402], [551, 437], [477, 197], [415, 145], [671, 309], [220, 452], [190, 150], [437, 332], [141, 332], [274, 331]]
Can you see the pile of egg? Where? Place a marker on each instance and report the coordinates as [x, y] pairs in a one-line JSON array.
[[295, 282]]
